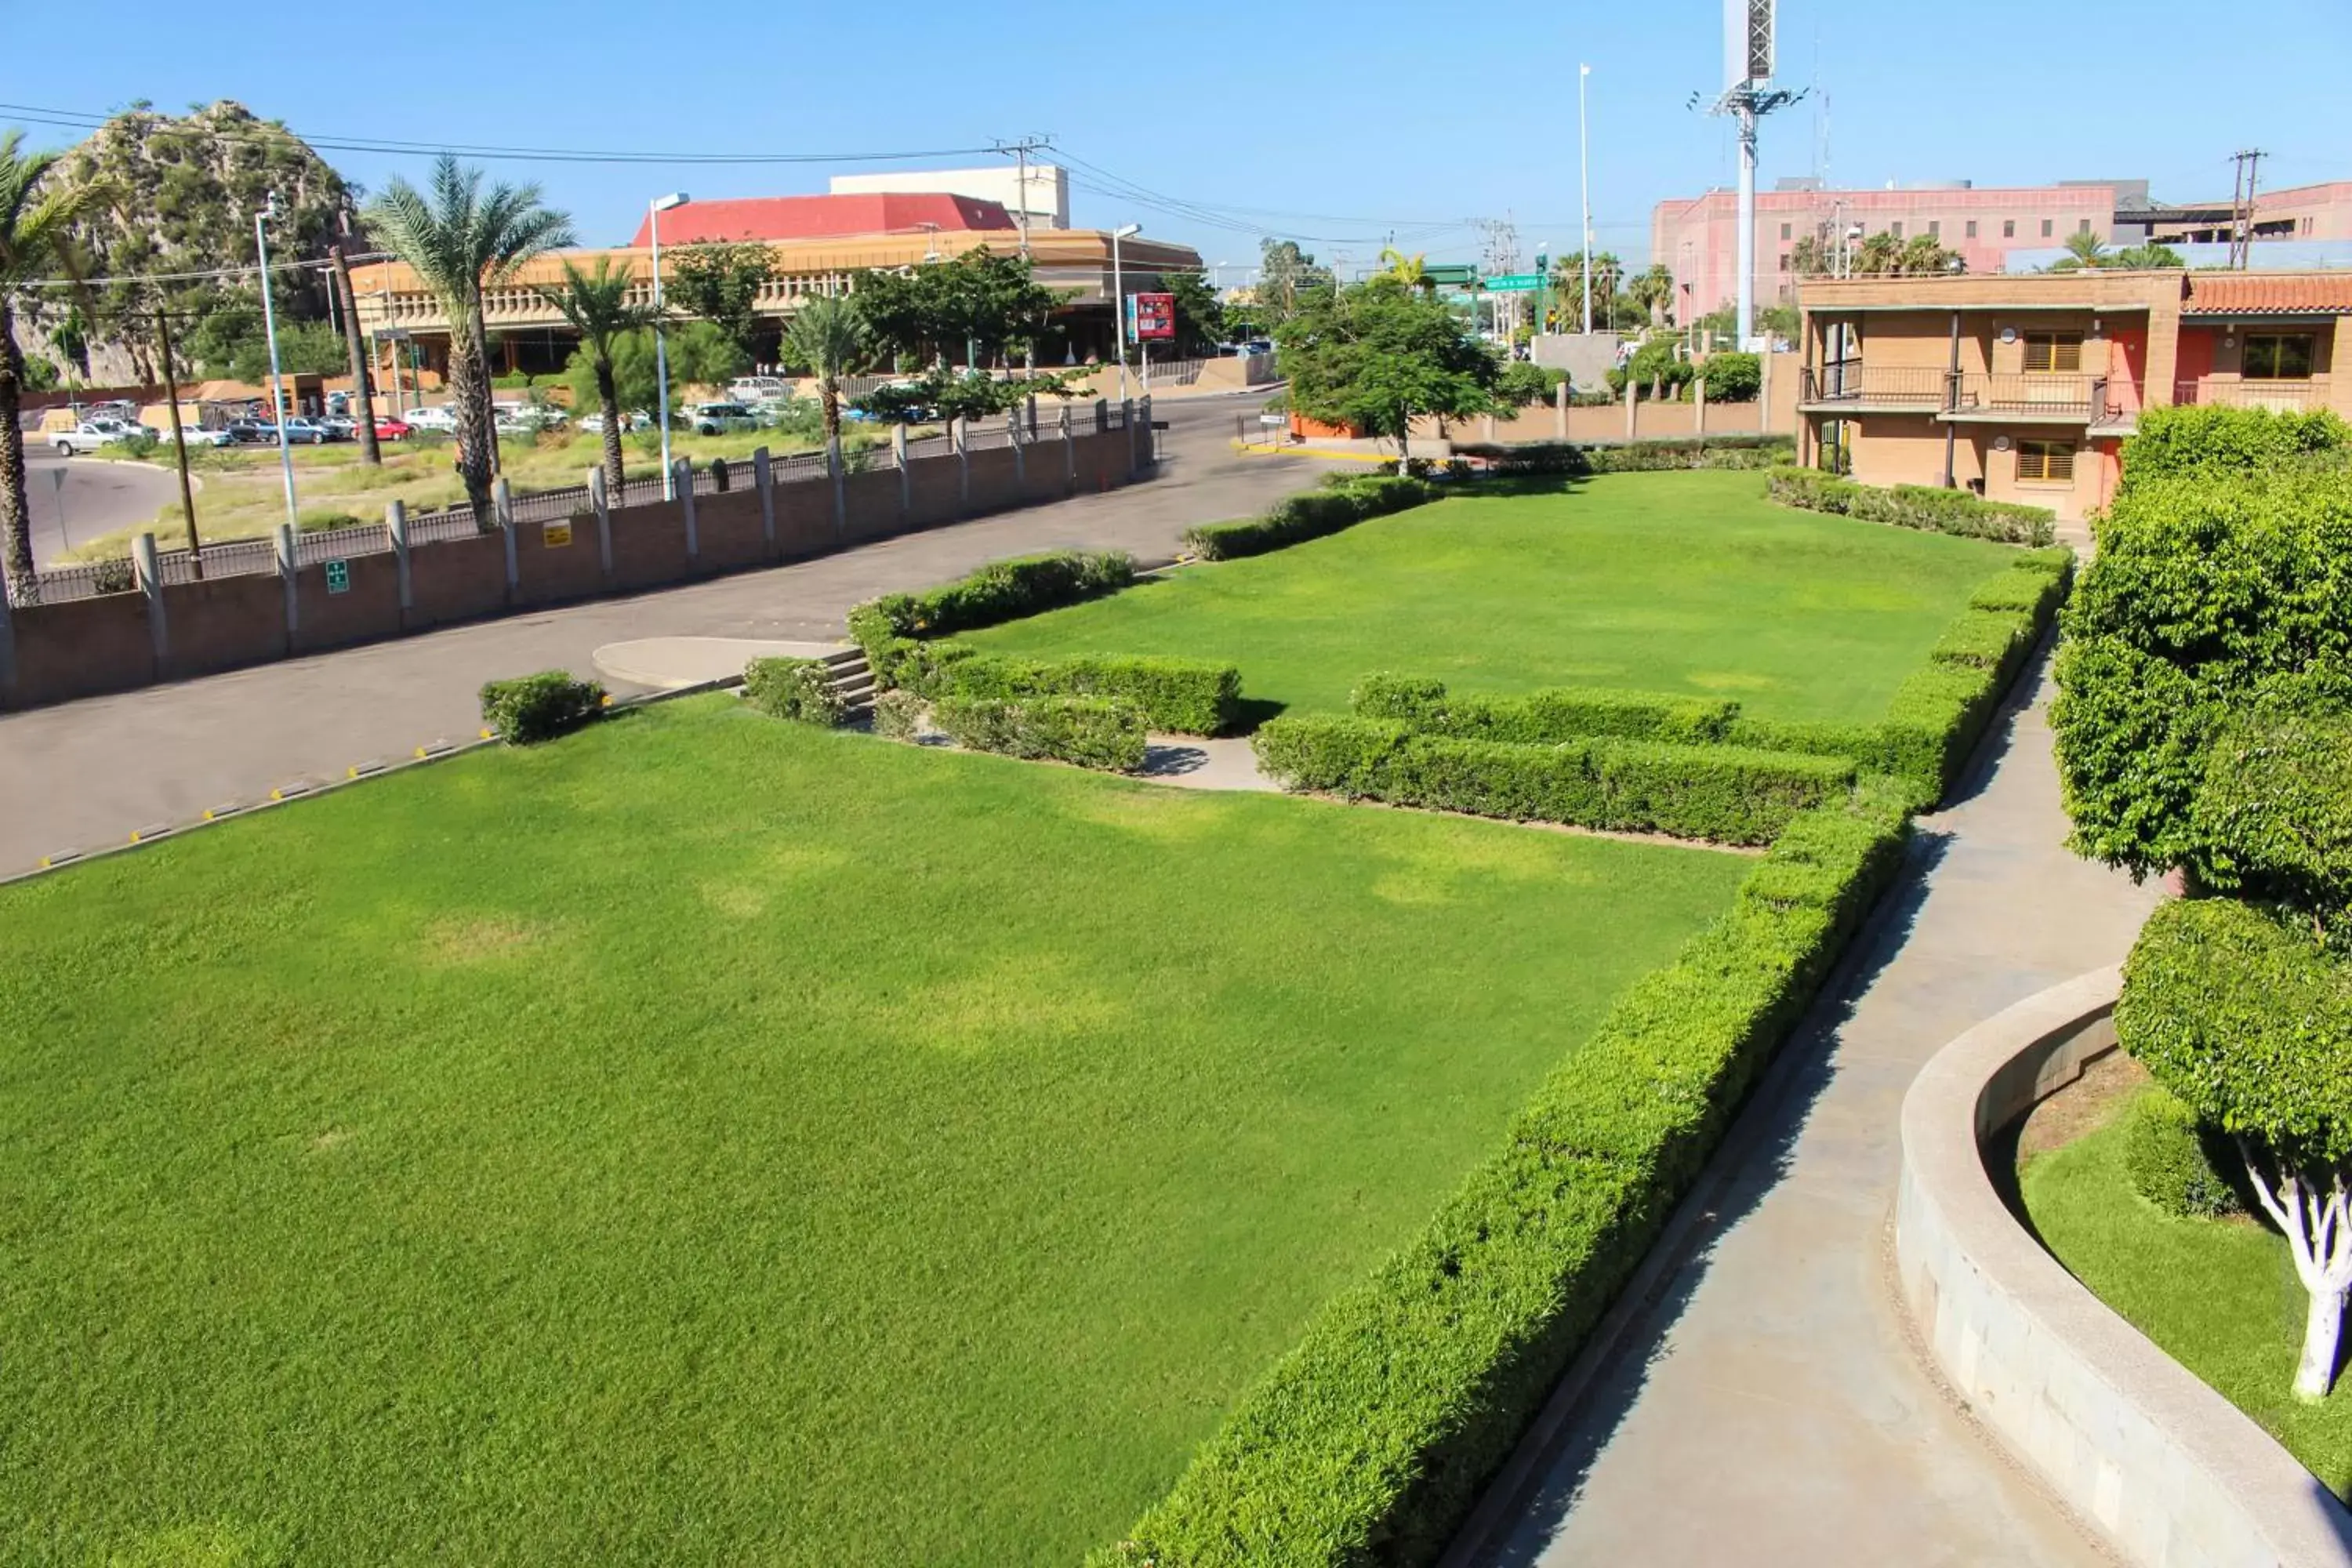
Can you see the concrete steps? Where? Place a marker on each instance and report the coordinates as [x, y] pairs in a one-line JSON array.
[[853, 681]]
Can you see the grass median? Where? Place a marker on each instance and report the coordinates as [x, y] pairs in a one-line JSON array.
[[709, 1139]]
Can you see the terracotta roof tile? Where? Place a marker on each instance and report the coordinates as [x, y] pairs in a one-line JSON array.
[[821, 218], [2269, 294]]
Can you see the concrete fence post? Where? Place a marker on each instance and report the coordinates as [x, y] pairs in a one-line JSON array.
[[1699, 407], [600, 501], [288, 561], [906, 480], [1069, 453], [1630, 398], [8, 643], [395, 529], [837, 472], [682, 481], [956, 436], [1102, 415], [1764, 390], [763, 480], [1487, 428], [1126, 417], [1150, 446], [1559, 411], [1033, 415], [151, 582], [1020, 458], [502, 499]]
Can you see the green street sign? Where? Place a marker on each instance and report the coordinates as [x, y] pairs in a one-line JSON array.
[[1515, 283], [1450, 274], [338, 576]]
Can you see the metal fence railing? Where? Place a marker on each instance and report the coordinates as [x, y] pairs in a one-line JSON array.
[[252, 557]]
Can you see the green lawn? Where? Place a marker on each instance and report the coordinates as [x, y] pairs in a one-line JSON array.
[[1670, 582], [2219, 1296], [711, 1141]]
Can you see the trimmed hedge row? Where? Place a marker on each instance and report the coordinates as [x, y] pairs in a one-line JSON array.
[[889, 628], [1371, 1439], [1926, 507], [533, 708], [800, 689], [1727, 794], [1182, 696], [1091, 731], [1676, 452], [1554, 713], [1337, 506]]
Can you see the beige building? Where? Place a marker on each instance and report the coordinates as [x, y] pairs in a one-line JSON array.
[[2023, 388]]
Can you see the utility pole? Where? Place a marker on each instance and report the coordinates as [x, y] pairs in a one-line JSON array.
[[362, 391], [179, 439], [2242, 207]]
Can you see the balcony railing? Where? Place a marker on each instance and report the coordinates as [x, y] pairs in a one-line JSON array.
[[2287, 396], [2018, 395], [1851, 381]]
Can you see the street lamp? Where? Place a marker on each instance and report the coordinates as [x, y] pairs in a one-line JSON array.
[[277, 409], [1584, 179], [1119, 299], [653, 210]]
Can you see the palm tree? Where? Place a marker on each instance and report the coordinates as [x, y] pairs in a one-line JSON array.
[[2083, 249], [1878, 256], [827, 335], [1925, 256], [597, 306], [2147, 257], [1413, 271], [33, 245], [460, 239], [1652, 290]]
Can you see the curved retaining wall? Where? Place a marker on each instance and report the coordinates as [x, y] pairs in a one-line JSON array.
[[2168, 1471]]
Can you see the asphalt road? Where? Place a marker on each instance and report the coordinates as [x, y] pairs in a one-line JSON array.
[[98, 497], [88, 774]]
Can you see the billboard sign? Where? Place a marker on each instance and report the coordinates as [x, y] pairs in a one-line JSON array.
[[1153, 317], [1747, 41]]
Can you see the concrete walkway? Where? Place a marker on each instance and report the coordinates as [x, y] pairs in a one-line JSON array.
[[1763, 1404]]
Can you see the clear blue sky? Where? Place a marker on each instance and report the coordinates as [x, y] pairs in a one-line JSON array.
[[1335, 123]]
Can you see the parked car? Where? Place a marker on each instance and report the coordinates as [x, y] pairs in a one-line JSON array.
[[339, 428], [197, 436], [438, 418], [752, 389], [389, 429], [92, 434], [716, 418], [252, 432], [305, 433]]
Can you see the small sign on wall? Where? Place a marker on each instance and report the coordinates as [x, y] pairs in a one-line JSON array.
[[338, 576], [556, 535]]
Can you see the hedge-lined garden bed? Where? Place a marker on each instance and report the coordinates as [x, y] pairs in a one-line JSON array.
[[1659, 456], [1343, 502], [1176, 696], [1925, 507]]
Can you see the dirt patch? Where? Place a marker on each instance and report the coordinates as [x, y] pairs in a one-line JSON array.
[[332, 1138], [479, 939], [2083, 1107]]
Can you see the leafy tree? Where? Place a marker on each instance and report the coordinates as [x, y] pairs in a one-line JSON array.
[[1521, 383], [1375, 354], [597, 306], [40, 374], [1285, 275], [980, 304], [1733, 377], [828, 335], [722, 284], [1200, 315], [2147, 258], [1653, 291], [35, 241], [459, 239], [700, 354], [943, 393]]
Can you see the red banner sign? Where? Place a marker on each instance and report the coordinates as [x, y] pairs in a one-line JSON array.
[[1155, 316]]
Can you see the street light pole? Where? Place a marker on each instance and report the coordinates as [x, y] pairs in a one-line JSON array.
[[1584, 179], [653, 210], [1119, 304], [277, 410]]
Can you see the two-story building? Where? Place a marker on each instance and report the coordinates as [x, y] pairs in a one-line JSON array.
[[2024, 388]]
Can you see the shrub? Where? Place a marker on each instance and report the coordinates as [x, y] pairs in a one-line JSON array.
[[1732, 376], [318, 520], [1554, 713], [135, 447], [2171, 1159], [1631, 457], [2272, 818], [889, 629], [1342, 503], [898, 715], [1719, 793], [798, 689], [1982, 638], [533, 708], [2204, 441], [1925, 507], [1184, 696], [1372, 1438], [115, 575], [1091, 731]]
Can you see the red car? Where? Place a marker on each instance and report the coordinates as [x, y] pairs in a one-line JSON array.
[[387, 429]]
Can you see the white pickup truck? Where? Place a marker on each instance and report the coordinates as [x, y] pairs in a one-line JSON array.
[[92, 434]]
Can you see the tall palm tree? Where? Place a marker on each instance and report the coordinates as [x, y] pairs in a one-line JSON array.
[[1653, 290], [460, 239], [33, 245], [827, 335], [1878, 256], [597, 305]]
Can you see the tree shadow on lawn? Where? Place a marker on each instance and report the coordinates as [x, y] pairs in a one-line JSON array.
[[1545, 1479], [1510, 485], [1252, 712]]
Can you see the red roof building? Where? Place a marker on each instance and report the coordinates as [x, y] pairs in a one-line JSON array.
[[2268, 294], [821, 218]]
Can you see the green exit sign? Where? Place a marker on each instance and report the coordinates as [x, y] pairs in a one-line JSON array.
[[338, 576]]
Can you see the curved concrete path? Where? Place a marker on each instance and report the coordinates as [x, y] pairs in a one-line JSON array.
[[1762, 1403]]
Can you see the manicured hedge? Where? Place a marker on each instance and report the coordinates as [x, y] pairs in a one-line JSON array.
[[1726, 794], [1298, 518], [1925, 507], [1371, 1440], [1182, 696], [888, 627], [1092, 731], [1631, 457], [796, 689], [1554, 713], [533, 708], [2173, 1162], [2207, 441]]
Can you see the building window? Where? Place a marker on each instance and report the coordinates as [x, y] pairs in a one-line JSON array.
[[1784, 261], [1895, 228], [2278, 356], [2045, 228], [2053, 351], [2008, 229], [1934, 229], [1784, 231], [1972, 228], [2045, 462]]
